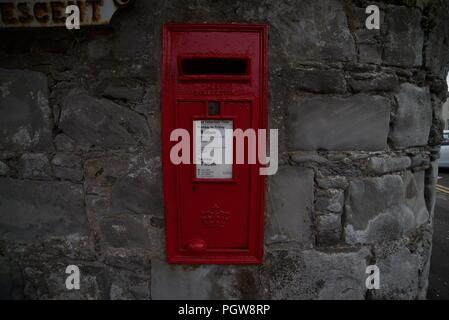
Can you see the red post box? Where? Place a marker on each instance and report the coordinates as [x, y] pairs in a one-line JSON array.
[[214, 76]]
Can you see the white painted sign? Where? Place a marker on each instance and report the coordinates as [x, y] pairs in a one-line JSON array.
[[48, 13], [214, 149]]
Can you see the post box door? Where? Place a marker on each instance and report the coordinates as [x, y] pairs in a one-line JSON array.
[[214, 77]]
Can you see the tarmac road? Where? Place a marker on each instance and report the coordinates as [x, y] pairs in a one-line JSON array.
[[439, 263]]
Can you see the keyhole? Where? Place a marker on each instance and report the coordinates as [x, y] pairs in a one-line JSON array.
[[194, 188], [213, 108]]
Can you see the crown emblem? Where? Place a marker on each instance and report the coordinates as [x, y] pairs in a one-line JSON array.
[[215, 217]]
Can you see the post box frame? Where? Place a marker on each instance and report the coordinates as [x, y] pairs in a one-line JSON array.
[[171, 201]]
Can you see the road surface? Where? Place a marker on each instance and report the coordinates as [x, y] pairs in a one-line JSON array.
[[439, 263]]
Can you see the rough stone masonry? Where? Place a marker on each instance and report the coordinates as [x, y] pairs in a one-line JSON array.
[[358, 112]]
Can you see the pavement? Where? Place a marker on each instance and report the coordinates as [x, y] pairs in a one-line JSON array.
[[439, 262]]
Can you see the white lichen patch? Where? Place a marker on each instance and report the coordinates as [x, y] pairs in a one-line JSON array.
[[42, 102], [4, 89], [119, 228], [22, 137]]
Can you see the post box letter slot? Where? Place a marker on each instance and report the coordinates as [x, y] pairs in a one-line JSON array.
[[214, 66]]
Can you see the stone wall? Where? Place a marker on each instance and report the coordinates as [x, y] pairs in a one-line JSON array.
[[358, 113]]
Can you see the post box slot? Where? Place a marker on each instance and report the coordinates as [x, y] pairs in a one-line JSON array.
[[214, 66]]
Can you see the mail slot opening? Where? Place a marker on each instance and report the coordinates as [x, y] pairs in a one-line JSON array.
[[215, 66]]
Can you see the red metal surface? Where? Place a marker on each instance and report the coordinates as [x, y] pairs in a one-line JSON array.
[[216, 221]]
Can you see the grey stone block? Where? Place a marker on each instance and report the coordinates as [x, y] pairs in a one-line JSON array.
[[341, 274], [371, 82], [133, 182], [312, 274], [302, 36], [121, 89], [290, 203], [411, 125], [316, 80], [281, 274], [206, 282], [46, 280], [34, 166], [399, 273], [100, 123], [64, 143], [132, 282], [339, 182], [322, 123], [140, 190], [375, 210], [98, 49], [414, 196], [76, 246], [385, 165], [368, 44], [127, 231], [4, 169], [124, 193], [328, 228], [420, 161], [130, 287], [423, 249], [24, 113], [436, 54], [385, 208], [370, 53], [11, 280], [431, 178], [330, 200], [404, 36], [67, 166], [37, 210], [181, 282], [301, 157], [129, 43], [150, 105]]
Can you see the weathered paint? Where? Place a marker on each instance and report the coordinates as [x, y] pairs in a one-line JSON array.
[[39, 13]]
